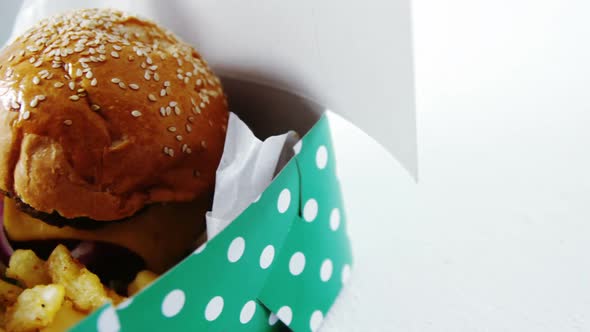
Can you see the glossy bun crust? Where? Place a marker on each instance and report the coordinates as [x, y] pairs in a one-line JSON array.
[[102, 113]]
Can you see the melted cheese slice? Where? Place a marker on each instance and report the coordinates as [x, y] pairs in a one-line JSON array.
[[162, 235]]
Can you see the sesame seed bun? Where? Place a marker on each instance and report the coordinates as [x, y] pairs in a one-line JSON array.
[[103, 113]]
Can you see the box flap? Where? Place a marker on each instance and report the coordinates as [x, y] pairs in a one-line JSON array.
[[354, 56]]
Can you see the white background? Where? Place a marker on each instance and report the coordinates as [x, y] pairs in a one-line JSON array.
[[496, 235]]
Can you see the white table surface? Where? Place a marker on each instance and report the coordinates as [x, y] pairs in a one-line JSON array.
[[495, 236]]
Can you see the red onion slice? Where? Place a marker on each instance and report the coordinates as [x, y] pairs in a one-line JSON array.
[[6, 249]]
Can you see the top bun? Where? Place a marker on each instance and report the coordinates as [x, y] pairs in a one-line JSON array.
[[102, 113]]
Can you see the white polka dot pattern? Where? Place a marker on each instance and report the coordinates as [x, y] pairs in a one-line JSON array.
[[173, 303], [326, 270], [108, 321], [247, 312], [267, 256], [310, 210], [284, 201], [297, 263], [214, 308], [236, 249]]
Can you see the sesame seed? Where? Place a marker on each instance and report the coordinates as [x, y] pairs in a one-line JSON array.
[[12, 58], [179, 138], [94, 82], [196, 110], [165, 150], [189, 74], [136, 113], [81, 90], [183, 148], [143, 65], [199, 82], [162, 92], [68, 122], [156, 77], [122, 85], [115, 80], [41, 97], [114, 54], [117, 47], [179, 76], [94, 107], [188, 151], [162, 111], [134, 86], [191, 119], [26, 115], [166, 83], [154, 67], [34, 102], [151, 97], [74, 97], [36, 80], [171, 129], [38, 63], [204, 144], [177, 110], [79, 72], [189, 128], [15, 105], [89, 74], [202, 105], [171, 152], [193, 101], [72, 85], [168, 110], [173, 103], [186, 80], [146, 75], [31, 60], [131, 58], [148, 60]]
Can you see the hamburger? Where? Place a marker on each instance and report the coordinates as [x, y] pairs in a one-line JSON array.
[[111, 131]]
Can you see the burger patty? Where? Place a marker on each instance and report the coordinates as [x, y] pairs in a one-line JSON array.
[[55, 219]]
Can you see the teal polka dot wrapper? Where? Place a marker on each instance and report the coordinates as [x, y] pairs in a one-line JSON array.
[[279, 266]]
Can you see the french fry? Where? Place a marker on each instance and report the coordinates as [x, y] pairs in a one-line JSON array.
[[116, 298], [81, 286], [27, 268], [142, 280], [8, 293], [65, 318], [35, 308]]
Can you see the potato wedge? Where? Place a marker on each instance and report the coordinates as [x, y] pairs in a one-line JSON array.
[[27, 268], [81, 286], [35, 308]]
